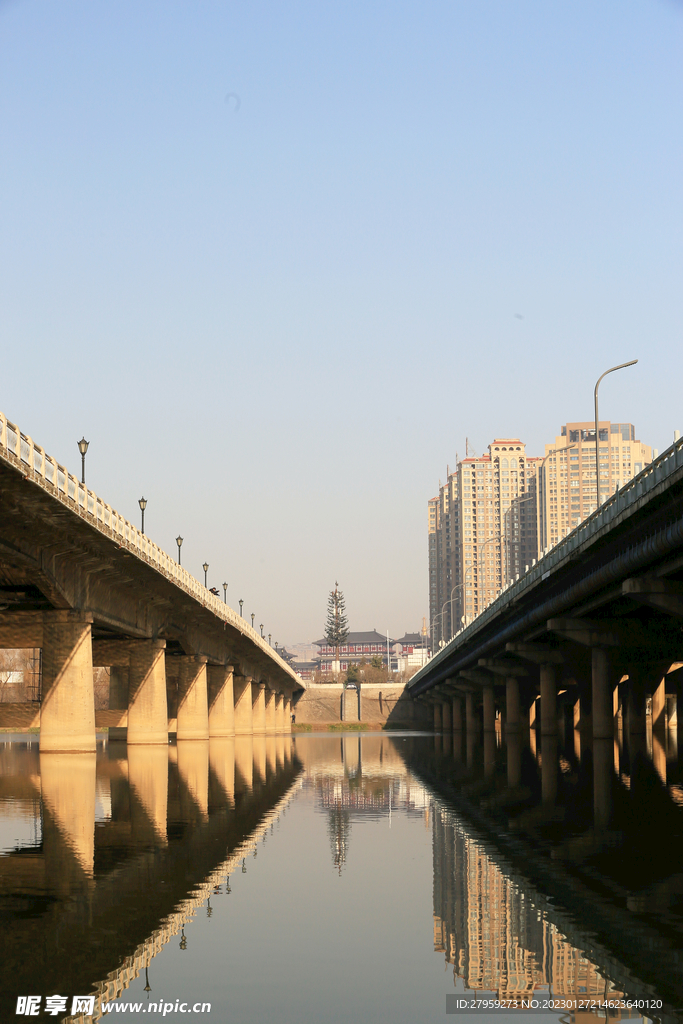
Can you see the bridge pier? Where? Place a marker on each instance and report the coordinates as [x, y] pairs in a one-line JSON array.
[[270, 711], [67, 783], [446, 716], [287, 711], [437, 716], [148, 778], [193, 707], [512, 713], [456, 714], [602, 704], [193, 768], [243, 708], [514, 758], [222, 762], [489, 709], [147, 702], [258, 707], [548, 699], [67, 712], [221, 700], [279, 713]]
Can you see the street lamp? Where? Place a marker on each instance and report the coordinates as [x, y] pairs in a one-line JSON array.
[[143, 505], [252, 620], [269, 643], [241, 603], [205, 567], [83, 447], [276, 646], [261, 628], [225, 593], [621, 366], [179, 541]]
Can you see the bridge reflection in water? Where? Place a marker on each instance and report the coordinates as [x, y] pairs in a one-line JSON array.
[[539, 886], [129, 844]]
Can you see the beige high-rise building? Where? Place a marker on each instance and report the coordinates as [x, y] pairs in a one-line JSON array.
[[567, 476], [482, 533]]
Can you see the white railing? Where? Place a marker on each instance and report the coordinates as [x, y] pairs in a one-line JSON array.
[[621, 503], [20, 451]]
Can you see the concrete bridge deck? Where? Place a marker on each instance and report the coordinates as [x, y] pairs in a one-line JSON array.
[[80, 582]]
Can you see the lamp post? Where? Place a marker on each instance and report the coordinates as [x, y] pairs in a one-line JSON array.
[[143, 505], [261, 628], [179, 542], [621, 366], [83, 447], [225, 593], [269, 643], [252, 620], [205, 567], [241, 603]]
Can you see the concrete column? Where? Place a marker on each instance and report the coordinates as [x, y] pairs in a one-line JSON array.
[[271, 755], [222, 762], [67, 783], [279, 713], [659, 704], [118, 698], [512, 715], [287, 711], [67, 712], [258, 707], [271, 725], [148, 778], [193, 704], [548, 700], [514, 758], [456, 714], [470, 718], [603, 724], [549, 768], [244, 722], [489, 710], [147, 705], [193, 768], [437, 717], [603, 760], [446, 717], [221, 700], [489, 752]]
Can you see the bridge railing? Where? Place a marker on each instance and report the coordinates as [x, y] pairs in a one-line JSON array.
[[621, 502], [22, 452]]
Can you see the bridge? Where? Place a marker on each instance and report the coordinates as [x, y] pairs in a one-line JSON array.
[[595, 627], [87, 588]]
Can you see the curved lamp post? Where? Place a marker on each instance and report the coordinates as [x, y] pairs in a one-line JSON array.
[[179, 542], [83, 447], [143, 505], [205, 567], [621, 366]]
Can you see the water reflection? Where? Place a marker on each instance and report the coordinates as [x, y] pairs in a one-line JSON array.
[[552, 871], [95, 896]]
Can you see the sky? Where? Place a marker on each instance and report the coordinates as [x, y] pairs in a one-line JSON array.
[[277, 261]]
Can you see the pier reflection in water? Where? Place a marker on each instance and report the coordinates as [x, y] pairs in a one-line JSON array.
[[319, 878]]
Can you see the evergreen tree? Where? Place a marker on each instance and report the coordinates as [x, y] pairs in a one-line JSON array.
[[337, 625]]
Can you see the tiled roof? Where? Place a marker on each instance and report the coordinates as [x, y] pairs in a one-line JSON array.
[[371, 637]]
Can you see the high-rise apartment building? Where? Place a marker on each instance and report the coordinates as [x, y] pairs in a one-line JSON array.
[[482, 533], [568, 477]]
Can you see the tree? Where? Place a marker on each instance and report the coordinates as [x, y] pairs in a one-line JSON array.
[[337, 625]]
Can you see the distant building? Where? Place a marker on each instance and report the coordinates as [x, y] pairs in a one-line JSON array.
[[359, 646], [568, 482], [411, 651], [482, 533]]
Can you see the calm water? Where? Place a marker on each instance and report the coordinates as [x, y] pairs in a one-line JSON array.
[[331, 878]]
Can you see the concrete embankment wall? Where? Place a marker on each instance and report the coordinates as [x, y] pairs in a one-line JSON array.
[[324, 704]]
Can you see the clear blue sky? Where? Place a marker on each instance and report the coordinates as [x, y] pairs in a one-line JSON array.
[[280, 321]]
